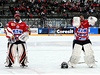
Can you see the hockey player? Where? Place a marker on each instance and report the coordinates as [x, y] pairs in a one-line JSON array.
[[17, 33], [82, 41]]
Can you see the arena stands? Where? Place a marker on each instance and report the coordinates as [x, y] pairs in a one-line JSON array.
[[47, 9]]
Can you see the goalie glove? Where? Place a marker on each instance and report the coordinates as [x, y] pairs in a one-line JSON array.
[[92, 20], [76, 21], [24, 36]]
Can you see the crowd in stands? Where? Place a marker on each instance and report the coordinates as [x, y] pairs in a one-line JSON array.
[[50, 7], [2, 2], [53, 7]]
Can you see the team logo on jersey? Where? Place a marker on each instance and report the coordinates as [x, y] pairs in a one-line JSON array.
[[17, 31], [12, 24], [17, 27], [82, 30]]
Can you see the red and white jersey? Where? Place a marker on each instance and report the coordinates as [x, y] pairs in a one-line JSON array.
[[18, 28], [81, 33]]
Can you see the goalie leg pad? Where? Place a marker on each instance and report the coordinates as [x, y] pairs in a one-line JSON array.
[[75, 57], [89, 55], [90, 61], [77, 50], [73, 61], [88, 49], [11, 54], [22, 53]]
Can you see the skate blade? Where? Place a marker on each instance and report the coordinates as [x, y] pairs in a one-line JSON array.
[[9, 66], [23, 66]]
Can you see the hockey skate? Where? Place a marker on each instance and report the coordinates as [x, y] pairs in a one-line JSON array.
[[9, 65], [23, 65], [92, 65]]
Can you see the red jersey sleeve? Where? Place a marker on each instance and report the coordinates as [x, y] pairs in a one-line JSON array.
[[9, 24], [26, 28]]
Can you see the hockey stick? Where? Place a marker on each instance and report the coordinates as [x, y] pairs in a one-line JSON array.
[[84, 62]]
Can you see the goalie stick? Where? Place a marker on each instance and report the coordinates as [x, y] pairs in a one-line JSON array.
[[84, 62]]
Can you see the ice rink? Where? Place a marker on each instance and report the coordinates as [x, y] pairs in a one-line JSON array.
[[46, 53]]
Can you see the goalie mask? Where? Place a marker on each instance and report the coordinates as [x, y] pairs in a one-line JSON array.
[[17, 17]]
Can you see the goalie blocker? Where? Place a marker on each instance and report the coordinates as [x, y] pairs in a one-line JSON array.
[[24, 36]]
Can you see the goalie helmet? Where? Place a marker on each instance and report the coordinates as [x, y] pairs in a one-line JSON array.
[[64, 65], [17, 15]]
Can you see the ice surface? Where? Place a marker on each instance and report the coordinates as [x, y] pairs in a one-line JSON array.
[[46, 53]]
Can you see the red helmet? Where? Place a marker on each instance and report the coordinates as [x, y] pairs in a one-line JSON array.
[[17, 15]]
